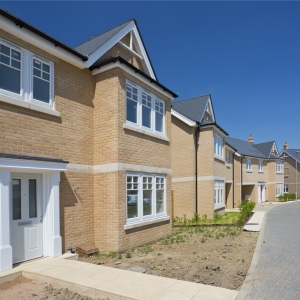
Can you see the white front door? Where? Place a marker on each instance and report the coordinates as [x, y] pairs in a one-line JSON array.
[[261, 193], [26, 216]]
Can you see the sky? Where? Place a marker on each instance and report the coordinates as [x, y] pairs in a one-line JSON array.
[[245, 54]]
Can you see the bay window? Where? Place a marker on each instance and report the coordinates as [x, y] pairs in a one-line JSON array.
[[25, 76], [218, 194], [144, 110], [145, 194], [218, 145]]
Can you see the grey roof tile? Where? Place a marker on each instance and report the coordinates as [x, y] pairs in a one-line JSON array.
[[265, 148], [293, 154]]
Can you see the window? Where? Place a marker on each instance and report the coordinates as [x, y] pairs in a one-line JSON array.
[[248, 164], [218, 194], [286, 188], [218, 145], [16, 65], [227, 157], [278, 167], [145, 197], [278, 189], [260, 165], [143, 109]]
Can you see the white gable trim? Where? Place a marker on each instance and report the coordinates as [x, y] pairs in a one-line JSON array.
[[183, 118], [210, 108], [30, 37], [275, 148]]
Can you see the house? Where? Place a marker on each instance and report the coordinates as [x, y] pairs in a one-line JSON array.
[[258, 171], [202, 164], [85, 153], [291, 170]]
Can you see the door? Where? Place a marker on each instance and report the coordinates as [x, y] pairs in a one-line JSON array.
[[26, 216], [261, 193]]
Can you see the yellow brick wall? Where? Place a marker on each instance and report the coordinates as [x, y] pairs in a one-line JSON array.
[[290, 174]]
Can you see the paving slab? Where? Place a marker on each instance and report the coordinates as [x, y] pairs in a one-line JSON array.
[[255, 222]]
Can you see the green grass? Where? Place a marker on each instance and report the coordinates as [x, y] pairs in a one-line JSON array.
[[228, 218]]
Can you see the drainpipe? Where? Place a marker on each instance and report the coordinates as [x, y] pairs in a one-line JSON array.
[[233, 179], [197, 131]]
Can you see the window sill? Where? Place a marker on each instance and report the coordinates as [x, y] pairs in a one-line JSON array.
[[280, 173], [147, 222], [228, 165], [29, 105], [219, 207], [219, 158], [158, 136], [249, 171]]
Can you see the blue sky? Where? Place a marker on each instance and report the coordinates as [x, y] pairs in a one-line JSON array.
[[245, 54]]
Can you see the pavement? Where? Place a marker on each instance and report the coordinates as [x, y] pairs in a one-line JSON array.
[[103, 282], [275, 269]]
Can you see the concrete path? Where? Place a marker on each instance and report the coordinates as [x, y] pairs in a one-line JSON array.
[[255, 222], [104, 282], [275, 269]]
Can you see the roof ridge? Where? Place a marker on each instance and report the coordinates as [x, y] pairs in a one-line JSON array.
[[106, 32], [265, 143], [192, 98]]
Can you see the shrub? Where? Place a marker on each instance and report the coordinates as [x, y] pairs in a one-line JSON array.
[[112, 254], [128, 255], [246, 208]]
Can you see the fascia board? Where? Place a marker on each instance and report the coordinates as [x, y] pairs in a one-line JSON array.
[[237, 154], [218, 131], [183, 118], [93, 57], [32, 38], [132, 73]]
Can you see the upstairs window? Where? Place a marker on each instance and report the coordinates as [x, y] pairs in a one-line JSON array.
[[260, 165], [278, 167], [143, 109], [227, 157], [248, 164], [218, 145]]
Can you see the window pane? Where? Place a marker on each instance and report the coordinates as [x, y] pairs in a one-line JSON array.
[[4, 59], [146, 116], [147, 202], [36, 72], [132, 204], [16, 64], [10, 79], [32, 199], [160, 201], [158, 122], [37, 64], [41, 90], [131, 111], [16, 198], [15, 54], [46, 68], [5, 50], [46, 76]]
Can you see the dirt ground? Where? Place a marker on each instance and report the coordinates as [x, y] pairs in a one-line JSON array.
[[25, 289], [218, 256]]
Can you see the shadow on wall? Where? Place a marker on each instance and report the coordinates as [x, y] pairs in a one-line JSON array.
[[248, 192]]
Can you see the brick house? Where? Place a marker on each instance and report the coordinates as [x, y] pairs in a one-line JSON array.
[[85, 151], [291, 170], [258, 171], [202, 169]]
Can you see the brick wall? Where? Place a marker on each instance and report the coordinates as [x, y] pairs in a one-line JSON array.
[[290, 174]]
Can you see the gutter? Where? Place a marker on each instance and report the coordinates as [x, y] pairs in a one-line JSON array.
[[22, 24], [135, 69], [197, 132]]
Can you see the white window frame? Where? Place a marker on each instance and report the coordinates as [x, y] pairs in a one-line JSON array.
[[285, 188], [218, 145], [154, 98], [279, 167], [248, 164], [227, 157], [154, 214], [279, 189], [219, 194], [260, 166], [26, 93]]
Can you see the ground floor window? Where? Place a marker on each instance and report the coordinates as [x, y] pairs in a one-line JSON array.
[[218, 194], [279, 187], [145, 194], [286, 188]]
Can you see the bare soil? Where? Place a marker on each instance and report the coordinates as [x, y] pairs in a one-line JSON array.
[[25, 289], [218, 256]]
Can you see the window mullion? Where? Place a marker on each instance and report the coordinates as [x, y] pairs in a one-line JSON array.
[[154, 195]]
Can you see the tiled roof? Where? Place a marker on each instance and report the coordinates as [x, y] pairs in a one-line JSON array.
[[265, 148], [293, 154]]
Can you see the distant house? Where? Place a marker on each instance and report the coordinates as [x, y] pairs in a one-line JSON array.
[[202, 169], [291, 167], [258, 171]]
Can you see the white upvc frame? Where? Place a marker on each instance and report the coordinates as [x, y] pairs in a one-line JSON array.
[[26, 94], [279, 189], [248, 164], [218, 194], [218, 145], [138, 124], [154, 214], [260, 166], [279, 167], [285, 188]]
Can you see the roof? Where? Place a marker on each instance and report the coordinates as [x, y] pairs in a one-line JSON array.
[[193, 108], [26, 157], [90, 46], [265, 148], [292, 153]]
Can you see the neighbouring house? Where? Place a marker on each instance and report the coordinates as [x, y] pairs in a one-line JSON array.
[[202, 169], [291, 170], [85, 153], [258, 171]]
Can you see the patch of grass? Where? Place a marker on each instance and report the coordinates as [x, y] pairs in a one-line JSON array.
[[97, 255], [119, 256], [128, 255], [112, 254], [147, 250]]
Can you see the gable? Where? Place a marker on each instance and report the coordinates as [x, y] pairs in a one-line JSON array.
[[208, 114], [274, 150]]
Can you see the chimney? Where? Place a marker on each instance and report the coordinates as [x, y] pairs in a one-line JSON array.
[[286, 146], [250, 139]]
